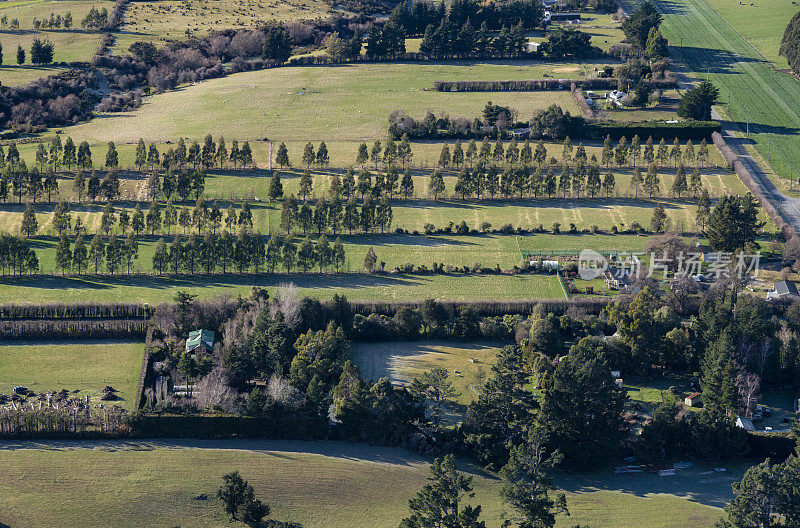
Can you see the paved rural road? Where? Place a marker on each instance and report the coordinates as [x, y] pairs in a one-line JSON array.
[[788, 206]]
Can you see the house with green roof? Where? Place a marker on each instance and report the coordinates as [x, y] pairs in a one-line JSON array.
[[200, 341]]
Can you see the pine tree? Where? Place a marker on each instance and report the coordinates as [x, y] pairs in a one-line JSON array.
[[246, 155], [637, 182], [29, 225], [444, 156], [275, 186], [306, 185], [703, 210], [458, 154], [608, 151], [593, 182], [63, 254], [659, 220], [375, 153], [80, 255], [718, 377], [114, 254], [348, 183], [370, 260], [161, 257], [363, 155], [141, 154], [322, 155], [695, 183], [582, 411], [97, 252], [282, 156], [663, 153], [609, 183], [651, 181], [679, 184], [675, 154], [112, 158], [436, 184]]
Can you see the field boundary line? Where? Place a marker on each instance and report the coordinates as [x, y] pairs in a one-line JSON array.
[[563, 287]]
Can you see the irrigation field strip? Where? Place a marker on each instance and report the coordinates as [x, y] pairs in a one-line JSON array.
[[700, 23]]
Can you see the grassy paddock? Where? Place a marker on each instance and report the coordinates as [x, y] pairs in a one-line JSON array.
[[761, 23], [37, 290], [319, 484], [319, 102], [395, 250], [86, 367], [76, 44], [164, 20], [404, 361], [751, 89]]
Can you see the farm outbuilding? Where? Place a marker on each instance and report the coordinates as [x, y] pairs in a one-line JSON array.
[[693, 400], [783, 289], [745, 423]]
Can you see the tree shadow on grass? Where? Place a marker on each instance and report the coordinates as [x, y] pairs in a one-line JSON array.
[[713, 60], [311, 281], [699, 483], [410, 240], [546, 203]]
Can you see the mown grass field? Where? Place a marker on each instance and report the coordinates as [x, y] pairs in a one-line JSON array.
[[163, 20], [761, 23], [122, 288], [750, 88], [87, 367], [394, 250], [319, 102], [319, 485], [13, 75], [404, 361]]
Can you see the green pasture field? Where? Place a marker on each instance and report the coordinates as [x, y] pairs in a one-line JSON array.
[[620, 210], [13, 75], [164, 20], [404, 361], [751, 89], [344, 102], [394, 250], [87, 366], [317, 484], [76, 44], [413, 215], [151, 289], [559, 244], [761, 23], [234, 186]]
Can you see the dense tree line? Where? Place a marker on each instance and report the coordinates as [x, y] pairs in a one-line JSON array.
[[16, 256], [495, 121], [790, 43], [54, 21]]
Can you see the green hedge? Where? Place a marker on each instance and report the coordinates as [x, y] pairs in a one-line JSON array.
[[281, 426], [776, 446], [683, 130]]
